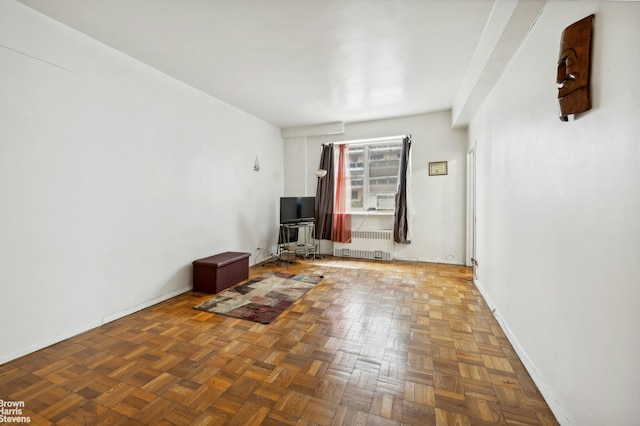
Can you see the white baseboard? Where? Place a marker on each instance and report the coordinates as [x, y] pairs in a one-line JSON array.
[[146, 304], [88, 326], [430, 260], [548, 394]]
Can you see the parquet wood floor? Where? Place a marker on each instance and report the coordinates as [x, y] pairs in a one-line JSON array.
[[375, 343]]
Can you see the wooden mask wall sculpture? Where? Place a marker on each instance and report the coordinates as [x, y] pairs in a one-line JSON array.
[[573, 68]]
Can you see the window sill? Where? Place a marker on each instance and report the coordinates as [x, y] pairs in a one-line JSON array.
[[372, 213]]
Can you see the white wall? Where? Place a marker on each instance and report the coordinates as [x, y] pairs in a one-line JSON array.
[[295, 184], [558, 207], [438, 232], [113, 179]]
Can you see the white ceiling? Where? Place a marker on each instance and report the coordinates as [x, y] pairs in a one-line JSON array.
[[301, 62]]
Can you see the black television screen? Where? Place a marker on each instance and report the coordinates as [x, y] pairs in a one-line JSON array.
[[297, 209]]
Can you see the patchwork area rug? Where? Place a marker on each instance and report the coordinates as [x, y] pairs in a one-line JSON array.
[[261, 299]]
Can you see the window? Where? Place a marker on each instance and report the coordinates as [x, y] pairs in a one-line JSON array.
[[374, 174]]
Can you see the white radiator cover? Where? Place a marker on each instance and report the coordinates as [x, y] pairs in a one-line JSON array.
[[367, 244]]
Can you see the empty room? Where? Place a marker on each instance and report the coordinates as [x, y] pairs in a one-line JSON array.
[[359, 212]]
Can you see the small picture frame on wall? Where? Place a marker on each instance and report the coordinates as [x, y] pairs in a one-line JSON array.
[[438, 168]]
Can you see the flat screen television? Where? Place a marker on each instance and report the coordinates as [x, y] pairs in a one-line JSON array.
[[297, 209]]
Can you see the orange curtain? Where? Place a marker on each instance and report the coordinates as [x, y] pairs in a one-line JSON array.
[[342, 202]]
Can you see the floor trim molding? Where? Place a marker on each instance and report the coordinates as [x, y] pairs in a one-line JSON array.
[[548, 394], [89, 326]]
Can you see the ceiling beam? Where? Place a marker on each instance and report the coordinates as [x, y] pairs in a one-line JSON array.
[[508, 25], [335, 128]]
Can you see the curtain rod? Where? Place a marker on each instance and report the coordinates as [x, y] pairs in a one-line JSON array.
[[371, 140]]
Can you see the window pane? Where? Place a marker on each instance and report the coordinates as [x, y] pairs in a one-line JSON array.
[[384, 161], [374, 175], [356, 169]]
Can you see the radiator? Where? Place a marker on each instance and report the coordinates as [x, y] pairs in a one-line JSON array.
[[367, 244]]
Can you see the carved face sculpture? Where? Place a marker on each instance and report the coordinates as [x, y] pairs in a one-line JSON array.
[[573, 68]]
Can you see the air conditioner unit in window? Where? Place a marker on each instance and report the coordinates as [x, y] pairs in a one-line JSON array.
[[382, 201], [386, 202]]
